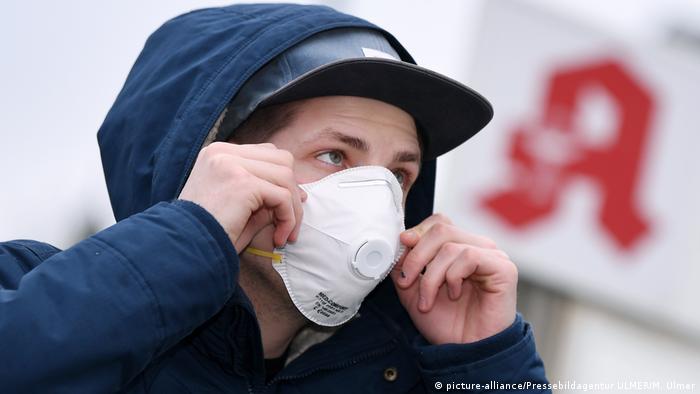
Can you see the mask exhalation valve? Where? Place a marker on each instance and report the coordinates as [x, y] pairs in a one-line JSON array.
[[373, 258]]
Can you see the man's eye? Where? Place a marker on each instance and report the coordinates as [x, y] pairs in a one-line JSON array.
[[400, 177], [333, 158]]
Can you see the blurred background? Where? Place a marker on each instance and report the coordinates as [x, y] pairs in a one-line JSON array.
[[587, 176]]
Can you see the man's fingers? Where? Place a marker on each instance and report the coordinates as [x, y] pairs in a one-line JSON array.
[[454, 263], [429, 222], [431, 241], [467, 261], [487, 268], [434, 276], [266, 152], [279, 200], [281, 176], [266, 162], [412, 235]]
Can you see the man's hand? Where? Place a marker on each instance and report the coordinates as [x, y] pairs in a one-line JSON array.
[[468, 290], [246, 187]]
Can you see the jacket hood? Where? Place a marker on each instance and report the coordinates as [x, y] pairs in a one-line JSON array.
[[187, 73]]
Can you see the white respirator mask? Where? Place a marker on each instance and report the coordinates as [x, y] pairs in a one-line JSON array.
[[348, 242]]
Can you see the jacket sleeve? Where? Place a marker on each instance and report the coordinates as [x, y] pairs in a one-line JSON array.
[[90, 318], [505, 362]]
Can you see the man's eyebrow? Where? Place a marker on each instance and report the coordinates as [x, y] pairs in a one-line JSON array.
[[407, 157], [353, 142]]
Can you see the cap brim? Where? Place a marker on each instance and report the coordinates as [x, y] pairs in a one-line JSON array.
[[447, 113]]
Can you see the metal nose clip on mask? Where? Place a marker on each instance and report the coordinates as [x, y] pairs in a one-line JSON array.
[[348, 242]]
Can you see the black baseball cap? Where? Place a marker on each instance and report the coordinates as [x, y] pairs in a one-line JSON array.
[[361, 62]]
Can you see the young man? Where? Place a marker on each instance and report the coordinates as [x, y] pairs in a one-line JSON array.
[[262, 161]]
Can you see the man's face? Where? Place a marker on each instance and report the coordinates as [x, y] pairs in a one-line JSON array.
[[330, 134]]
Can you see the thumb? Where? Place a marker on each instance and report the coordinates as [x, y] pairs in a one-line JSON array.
[[410, 237], [257, 221]]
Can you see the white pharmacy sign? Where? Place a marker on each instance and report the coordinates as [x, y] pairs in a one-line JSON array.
[[588, 173]]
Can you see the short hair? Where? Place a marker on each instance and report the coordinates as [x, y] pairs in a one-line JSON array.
[[263, 123]]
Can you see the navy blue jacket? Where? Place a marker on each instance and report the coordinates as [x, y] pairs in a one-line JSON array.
[[152, 304]]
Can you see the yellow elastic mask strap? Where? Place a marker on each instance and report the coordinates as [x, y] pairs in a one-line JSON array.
[[276, 258]]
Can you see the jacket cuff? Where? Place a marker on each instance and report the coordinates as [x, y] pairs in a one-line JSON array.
[[446, 355], [504, 361], [212, 225]]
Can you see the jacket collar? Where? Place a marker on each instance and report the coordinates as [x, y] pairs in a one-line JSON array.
[[232, 338], [233, 341]]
